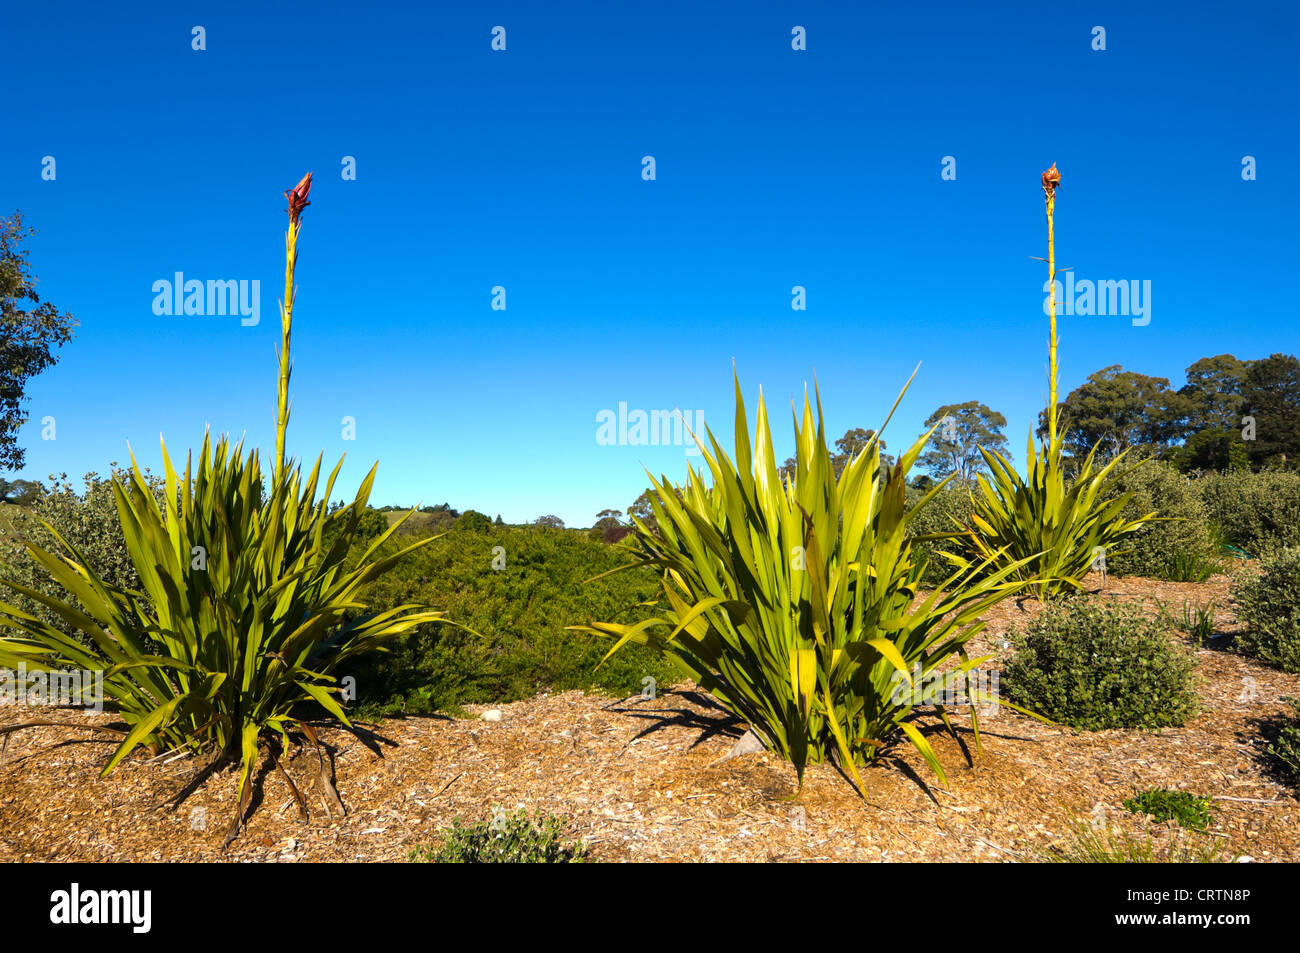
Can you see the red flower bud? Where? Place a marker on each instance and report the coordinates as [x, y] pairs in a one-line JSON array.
[[1051, 179], [298, 198]]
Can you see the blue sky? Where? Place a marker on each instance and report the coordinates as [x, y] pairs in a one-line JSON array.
[[523, 169]]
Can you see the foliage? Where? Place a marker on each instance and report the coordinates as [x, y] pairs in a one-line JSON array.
[[1286, 747], [1197, 622], [1162, 804], [1178, 542], [1050, 528], [512, 604], [1271, 394], [1115, 410], [931, 527], [550, 522], [959, 432], [89, 522], [240, 617], [1268, 605], [1096, 665], [28, 338], [1213, 391], [506, 839], [791, 601], [1254, 511], [472, 521], [20, 492], [846, 448]]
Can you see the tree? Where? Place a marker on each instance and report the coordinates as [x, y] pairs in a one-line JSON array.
[[1270, 393], [472, 521], [1120, 409], [28, 338], [607, 519], [1213, 389], [641, 508], [849, 446], [962, 429], [19, 492], [553, 522]]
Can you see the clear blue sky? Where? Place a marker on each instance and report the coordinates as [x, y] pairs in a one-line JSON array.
[[522, 169]]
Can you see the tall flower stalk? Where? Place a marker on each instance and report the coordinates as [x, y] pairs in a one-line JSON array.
[[1051, 530], [1051, 179], [297, 202]]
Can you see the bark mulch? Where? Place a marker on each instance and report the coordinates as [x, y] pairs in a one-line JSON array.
[[644, 780]]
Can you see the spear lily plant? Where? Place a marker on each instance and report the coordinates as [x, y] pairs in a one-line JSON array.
[[792, 600], [248, 605], [1054, 529]]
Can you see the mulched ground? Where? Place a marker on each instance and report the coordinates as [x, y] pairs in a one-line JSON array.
[[644, 780]]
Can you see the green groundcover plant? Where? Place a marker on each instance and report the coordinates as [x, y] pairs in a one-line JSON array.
[[1162, 804], [248, 601], [791, 600], [506, 839]]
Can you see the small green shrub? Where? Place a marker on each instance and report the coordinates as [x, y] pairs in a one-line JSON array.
[[1094, 665], [1268, 604], [1256, 511], [1196, 621], [1162, 804], [1178, 545], [1286, 748], [506, 839]]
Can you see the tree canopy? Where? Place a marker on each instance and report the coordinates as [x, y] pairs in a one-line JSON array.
[[29, 336], [962, 429]]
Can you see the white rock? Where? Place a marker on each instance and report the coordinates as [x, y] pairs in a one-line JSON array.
[[492, 714], [749, 743]]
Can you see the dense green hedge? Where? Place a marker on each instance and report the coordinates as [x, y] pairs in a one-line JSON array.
[[518, 614], [1254, 511], [1181, 537]]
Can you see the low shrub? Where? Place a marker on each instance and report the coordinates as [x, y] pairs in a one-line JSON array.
[[1268, 604], [506, 839], [1286, 747], [1255, 511], [1162, 804], [1178, 544], [1094, 665]]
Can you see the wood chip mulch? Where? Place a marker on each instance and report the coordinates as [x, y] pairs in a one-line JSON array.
[[644, 780]]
